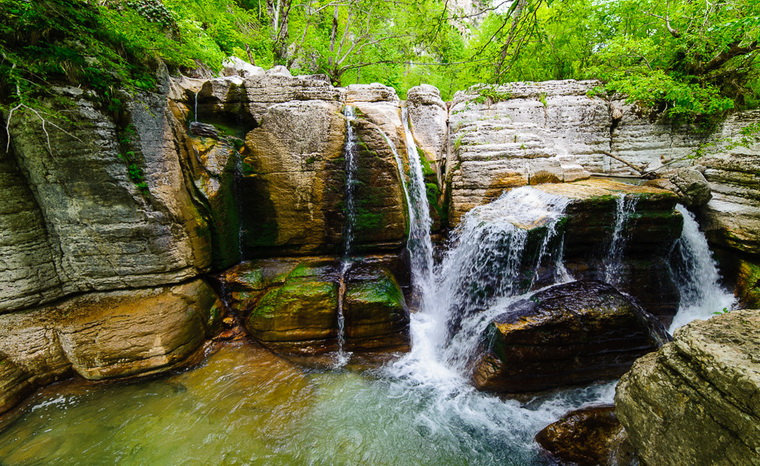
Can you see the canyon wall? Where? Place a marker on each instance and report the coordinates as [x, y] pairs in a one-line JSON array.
[[133, 215]]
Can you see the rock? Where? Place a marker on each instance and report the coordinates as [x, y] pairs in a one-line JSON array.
[[748, 284], [291, 305], [650, 234], [14, 384], [81, 214], [567, 334], [428, 118], [104, 335], [122, 334], [506, 136], [301, 314], [375, 311], [587, 436], [233, 66], [733, 171], [374, 92], [695, 401], [693, 189], [203, 130], [293, 181]]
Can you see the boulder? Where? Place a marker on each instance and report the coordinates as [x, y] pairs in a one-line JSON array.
[[375, 311], [587, 436], [565, 335], [291, 305], [697, 399]]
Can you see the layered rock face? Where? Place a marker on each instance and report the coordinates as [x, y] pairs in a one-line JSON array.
[[696, 400], [564, 335], [105, 335]]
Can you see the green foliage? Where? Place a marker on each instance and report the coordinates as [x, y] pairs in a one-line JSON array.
[[490, 95], [684, 60]]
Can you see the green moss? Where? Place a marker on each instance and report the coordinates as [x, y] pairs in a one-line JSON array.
[[383, 290], [368, 220], [427, 170]]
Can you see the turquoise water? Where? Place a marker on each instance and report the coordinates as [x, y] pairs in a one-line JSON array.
[[247, 406]]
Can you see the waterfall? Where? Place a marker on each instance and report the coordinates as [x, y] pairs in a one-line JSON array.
[[195, 109], [696, 275], [613, 263], [492, 257], [349, 152], [419, 244]]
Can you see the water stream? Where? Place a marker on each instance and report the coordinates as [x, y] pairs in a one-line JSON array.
[[350, 154], [696, 275], [614, 260]]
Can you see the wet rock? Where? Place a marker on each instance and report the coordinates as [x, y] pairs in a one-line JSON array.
[[203, 130], [587, 436], [695, 401], [375, 310], [291, 305], [693, 189], [649, 235], [748, 284], [301, 314], [14, 384], [565, 335], [105, 335]]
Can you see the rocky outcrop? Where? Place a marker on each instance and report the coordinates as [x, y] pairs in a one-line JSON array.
[[292, 305], [586, 436], [567, 334], [88, 223], [105, 335], [733, 170], [428, 118], [696, 400], [647, 235]]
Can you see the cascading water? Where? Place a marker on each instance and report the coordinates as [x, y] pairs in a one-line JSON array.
[[696, 275], [349, 152], [482, 272], [614, 261], [420, 245]]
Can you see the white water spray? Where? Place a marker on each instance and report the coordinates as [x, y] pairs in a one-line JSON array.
[[696, 276]]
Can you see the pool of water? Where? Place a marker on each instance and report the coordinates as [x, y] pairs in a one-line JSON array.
[[245, 405]]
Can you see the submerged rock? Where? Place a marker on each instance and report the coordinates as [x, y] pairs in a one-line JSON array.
[[587, 436], [697, 400], [567, 334]]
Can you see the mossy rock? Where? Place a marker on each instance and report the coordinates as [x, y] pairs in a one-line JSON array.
[[375, 311]]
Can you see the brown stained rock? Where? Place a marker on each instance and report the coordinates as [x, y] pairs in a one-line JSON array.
[[294, 180], [14, 384], [587, 436], [291, 305], [105, 335], [376, 314], [565, 335], [697, 399]]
